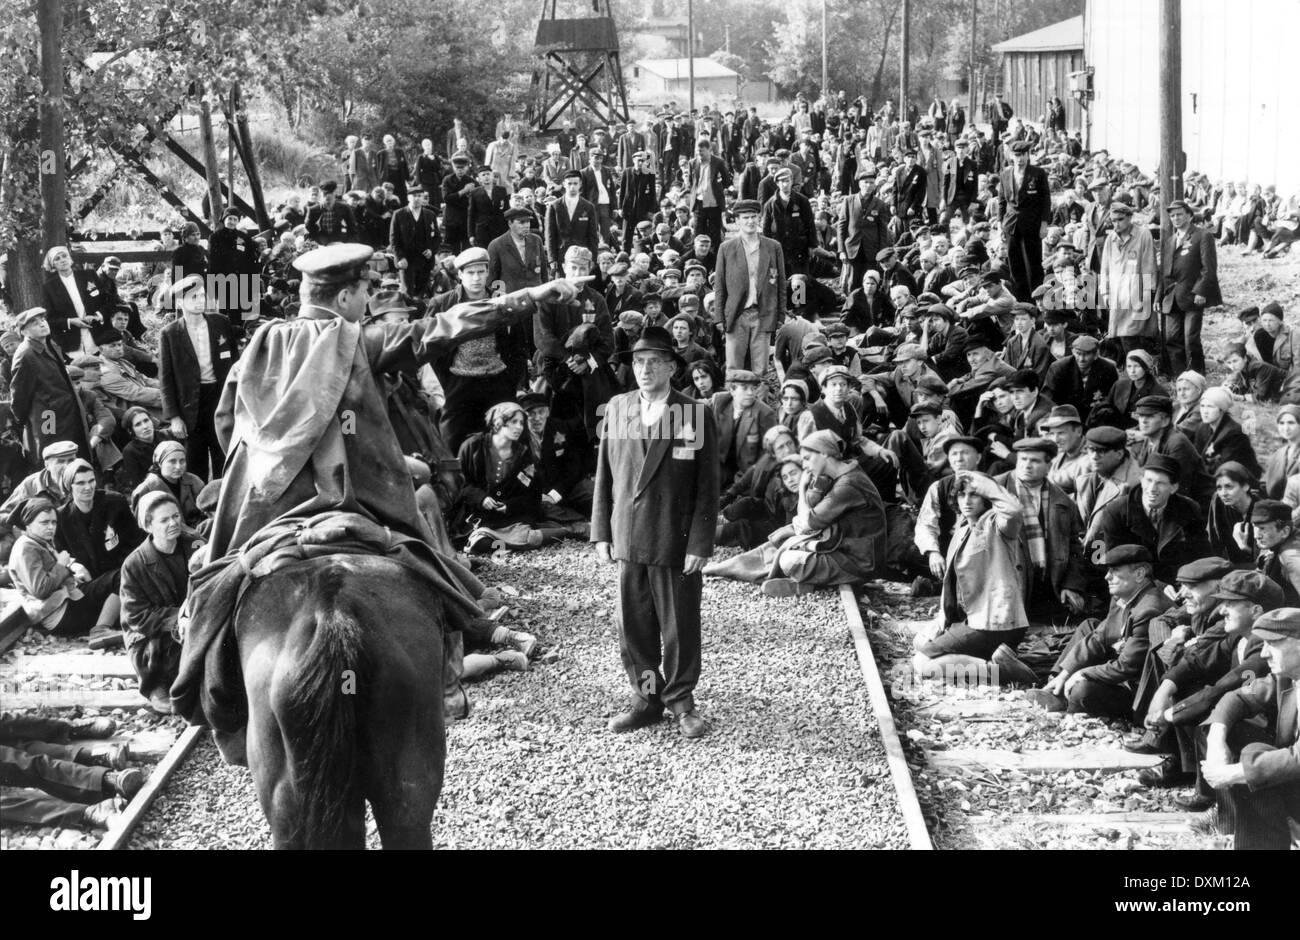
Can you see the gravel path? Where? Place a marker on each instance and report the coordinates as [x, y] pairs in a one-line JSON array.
[[793, 761]]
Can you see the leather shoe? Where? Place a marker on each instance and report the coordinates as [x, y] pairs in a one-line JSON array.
[[104, 637], [1167, 773], [635, 718], [784, 587], [92, 728], [1046, 700], [125, 783], [1011, 669], [1193, 800], [691, 725], [100, 815], [114, 756], [1148, 742]]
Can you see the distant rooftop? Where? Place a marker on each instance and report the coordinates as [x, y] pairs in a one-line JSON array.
[[680, 68], [1059, 37]]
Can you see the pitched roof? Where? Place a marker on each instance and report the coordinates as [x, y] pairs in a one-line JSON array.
[[680, 68], [1059, 37]]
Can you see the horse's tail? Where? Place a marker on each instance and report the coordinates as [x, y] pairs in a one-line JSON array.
[[319, 712]]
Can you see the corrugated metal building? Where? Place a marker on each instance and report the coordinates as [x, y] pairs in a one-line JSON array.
[[655, 80], [1241, 109], [1036, 67]]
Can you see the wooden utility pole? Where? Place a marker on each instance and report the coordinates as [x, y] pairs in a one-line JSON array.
[[904, 56], [1171, 102], [970, 107], [825, 69], [53, 159], [215, 205], [245, 141], [690, 54]]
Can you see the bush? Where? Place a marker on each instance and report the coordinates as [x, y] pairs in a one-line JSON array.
[[283, 159]]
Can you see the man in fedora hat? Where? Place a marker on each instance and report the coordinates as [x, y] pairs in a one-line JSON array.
[[414, 238], [654, 512]]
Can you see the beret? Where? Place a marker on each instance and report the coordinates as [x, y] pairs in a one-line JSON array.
[[59, 449], [1270, 510], [1084, 343], [1280, 624], [823, 442], [743, 377], [1061, 414], [1154, 405], [975, 443], [1036, 444], [471, 256], [1107, 437], [746, 206], [1250, 586], [1021, 146], [1166, 465], [1203, 569], [1126, 555]]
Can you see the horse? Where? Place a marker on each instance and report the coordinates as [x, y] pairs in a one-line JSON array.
[[342, 658]]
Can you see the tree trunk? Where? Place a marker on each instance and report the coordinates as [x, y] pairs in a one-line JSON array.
[[53, 166], [879, 77], [25, 274], [215, 207]]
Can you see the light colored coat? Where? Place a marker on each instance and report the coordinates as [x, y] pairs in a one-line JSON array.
[[987, 567], [1128, 282]]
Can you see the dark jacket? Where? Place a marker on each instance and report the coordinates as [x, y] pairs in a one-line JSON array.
[[563, 230], [1066, 385], [1196, 484], [507, 268], [1225, 442], [518, 487], [487, 214], [59, 308], [1210, 670], [792, 224], [740, 443], [1116, 649], [1189, 272], [44, 401], [1026, 208], [152, 594], [1275, 698], [178, 365], [1181, 538], [1062, 532], [346, 228], [409, 238], [85, 536]]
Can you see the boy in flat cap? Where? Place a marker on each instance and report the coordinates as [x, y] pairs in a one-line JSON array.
[[788, 219], [742, 421], [1259, 793], [571, 221], [1272, 526], [862, 230]]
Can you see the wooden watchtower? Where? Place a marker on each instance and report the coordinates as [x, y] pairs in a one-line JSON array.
[[577, 63]]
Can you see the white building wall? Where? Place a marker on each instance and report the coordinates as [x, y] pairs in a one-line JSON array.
[[1241, 106]]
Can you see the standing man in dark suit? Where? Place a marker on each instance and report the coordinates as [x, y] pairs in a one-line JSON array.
[[963, 184], [742, 421], [456, 188], [630, 143], [750, 291], [636, 199], [788, 219], [44, 399], [515, 258], [909, 189], [233, 256], [488, 203], [1026, 208], [599, 189], [570, 220], [654, 512], [195, 352], [1189, 272], [863, 229], [414, 239], [709, 177]]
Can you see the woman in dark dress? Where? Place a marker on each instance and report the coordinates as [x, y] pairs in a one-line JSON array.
[[1220, 439], [189, 257], [1234, 497], [1138, 381]]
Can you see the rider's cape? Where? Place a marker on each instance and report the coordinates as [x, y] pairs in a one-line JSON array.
[[305, 427]]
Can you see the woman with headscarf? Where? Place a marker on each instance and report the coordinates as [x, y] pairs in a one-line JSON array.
[[1234, 498], [749, 520], [167, 474], [1220, 438], [779, 442], [155, 578], [189, 258], [137, 456], [73, 301], [502, 496], [1284, 462], [1188, 389], [794, 401], [56, 589], [1138, 381]]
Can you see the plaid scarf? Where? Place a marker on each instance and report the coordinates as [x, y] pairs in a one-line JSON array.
[[1033, 528]]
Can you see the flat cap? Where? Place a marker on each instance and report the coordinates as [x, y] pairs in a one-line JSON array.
[[1021, 146], [868, 172], [1280, 624], [929, 408], [941, 310], [1107, 437], [784, 173], [743, 377], [688, 302], [59, 449], [1036, 445], [886, 254], [461, 156], [975, 443], [1057, 316], [1061, 414], [1166, 465], [695, 266], [933, 384], [837, 329], [1024, 378], [823, 442], [1203, 569], [909, 351], [815, 355], [518, 212], [341, 263], [1179, 204], [471, 256], [1121, 207], [838, 372], [1085, 343], [1126, 555], [28, 315], [1249, 586], [1271, 510], [1154, 405], [746, 207]]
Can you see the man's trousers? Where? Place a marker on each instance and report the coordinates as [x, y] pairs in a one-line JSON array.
[[1025, 258], [1183, 339], [746, 341], [659, 634], [709, 222], [203, 454]]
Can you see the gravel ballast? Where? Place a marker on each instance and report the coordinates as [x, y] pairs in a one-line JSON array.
[[793, 759]]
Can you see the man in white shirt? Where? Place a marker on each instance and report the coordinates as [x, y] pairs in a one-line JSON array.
[[598, 188]]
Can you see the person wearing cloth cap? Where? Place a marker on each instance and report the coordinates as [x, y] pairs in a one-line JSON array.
[[621, 296], [1111, 470], [707, 179], [1025, 347], [485, 215], [655, 513], [1083, 378], [571, 221], [1274, 343], [45, 402], [1127, 282], [862, 230], [749, 520], [195, 353], [909, 185], [1155, 436], [964, 391], [1025, 207], [330, 221], [742, 422], [788, 219], [962, 183], [600, 188], [46, 482], [414, 237], [750, 287], [189, 257], [555, 322], [1273, 530], [1189, 275], [1031, 404], [233, 257], [482, 371], [982, 600], [456, 189], [515, 259], [1098, 672], [1259, 792], [562, 465], [121, 384], [637, 194], [936, 516], [1156, 515], [867, 309], [842, 354]]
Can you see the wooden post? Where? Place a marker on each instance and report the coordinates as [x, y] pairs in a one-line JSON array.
[[825, 61], [970, 107], [1171, 106], [903, 62], [230, 146], [53, 158], [215, 206], [250, 161], [690, 54]]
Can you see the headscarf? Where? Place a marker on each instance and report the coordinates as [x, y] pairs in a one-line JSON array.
[[1193, 378], [70, 473], [824, 442], [1144, 359], [1219, 397], [165, 449], [21, 516], [148, 502], [499, 415], [774, 432]]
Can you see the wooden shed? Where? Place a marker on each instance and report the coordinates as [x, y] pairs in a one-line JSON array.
[[1036, 67]]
